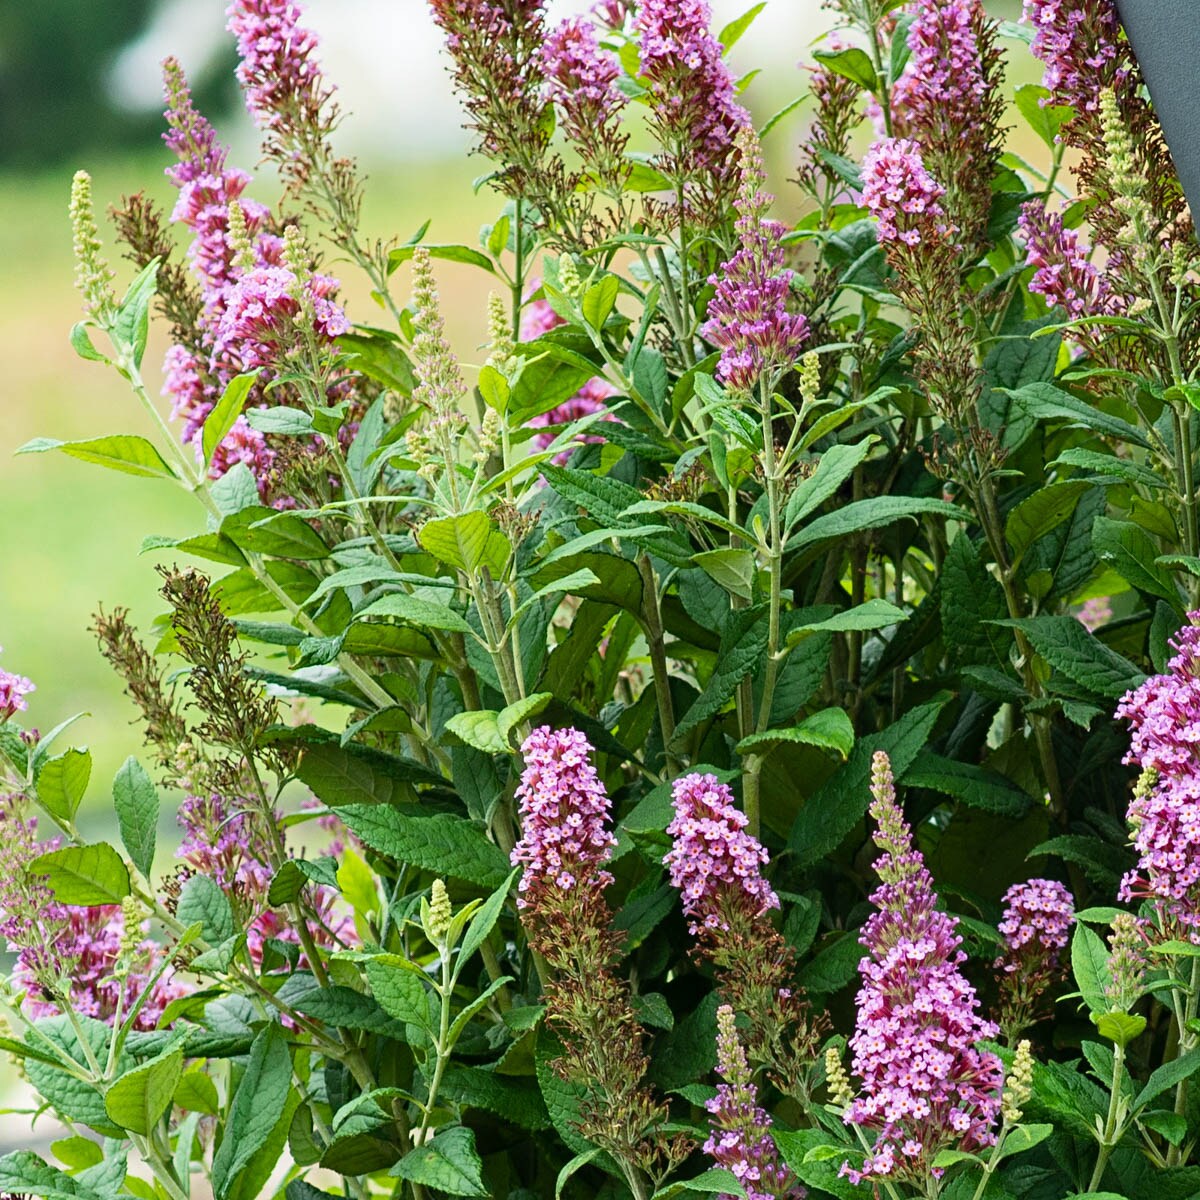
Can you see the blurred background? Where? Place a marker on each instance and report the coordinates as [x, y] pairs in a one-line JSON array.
[[79, 87]]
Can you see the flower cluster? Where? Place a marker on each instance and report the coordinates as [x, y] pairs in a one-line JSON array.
[[748, 318], [94, 959], [1164, 711], [1036, 926], [694, 110], [1126, 963], [902, 196], [565, 816], [1079, 45], [13, 690], [1095, 613], [740, 1140], [278, 71], [581, 80], [714, 863], [1063, 272], [925, 1087]]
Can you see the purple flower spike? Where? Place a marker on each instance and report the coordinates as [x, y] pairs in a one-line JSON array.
[[902, 196], [1077, 40], [925, 1087], [714, 862], [565, 816]]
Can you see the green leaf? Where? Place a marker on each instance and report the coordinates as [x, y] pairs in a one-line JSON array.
[[834, 809], [132, 325], [743, 643], [23, 1173], [136, 801], [1046, 120], [1040, 401], [715, 1179], [1172, 1126], [62, 782], [580, 1161], [442, 843], [1131, 552], [86, 876], [872, 514], [1070, 648], [1038, 514], [479, 729], [834, 468], [830, 729], [341, 775], [819, 1172], [81, 343], [519, 712], [1024, 1137], [734, 570], [1089, 963], [281, 420], [399, 991], [197, 1093], [125, 452], [259, 1106], [265, 531], [873, 614], [138, 1100], [1168, 1076], [853, 64], [466, 542], [599, 301], [1121, 1028], [225, 412], [448, 253], [485, 918], [732, 33], [973, 785], [494, 389], [1110, 466], [449, 1163], [425, 614], [202, 901]]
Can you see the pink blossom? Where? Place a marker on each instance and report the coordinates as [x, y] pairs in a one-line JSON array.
[[741, 1140], [748, 317], [1063, 272], [278, 71], [925, 1087], [1077, 40], [943, 85], [581, 78], [565, 816], [1037, 921], [13, 690], [1095, 613], [902, 196], [714, 862]]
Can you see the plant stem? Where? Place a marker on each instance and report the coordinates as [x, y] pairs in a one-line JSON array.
[[1112, 1133], [655, 640]]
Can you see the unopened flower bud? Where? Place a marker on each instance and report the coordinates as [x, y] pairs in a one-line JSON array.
[[836, 1079], [1018, 1087], [1126, 963], [440, 911], [568, 277], [93, 276], [239, 238], [500, 337], [810, 376]]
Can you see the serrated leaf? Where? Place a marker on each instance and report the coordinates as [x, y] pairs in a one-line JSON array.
[[1038, 514], [399, 991], [743, 643], [86, 876], [202, 901], [734, 570], [449, 1163], [830, 729], [480, 730], [62, 782], [138, 1100], [467, 542], [1089, 963], [1070, 648], [1121, 1028], [442, 843], [872, 513], [136, 801], [425, 614], [1131, 552], [836, 465], [521, 711], [873, 614], [1168, 1076]]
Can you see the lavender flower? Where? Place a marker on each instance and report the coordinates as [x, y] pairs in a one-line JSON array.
[[902, 196], [1126, 963], [741, 1140], [592, 398], [278, 70], [1036, 926], [1063, 272], [1095, 613], [925, 1088], [748, 319], [695, 113], [1077, 40], [715, 864], [581, 80], [13, 690], [565, 817]]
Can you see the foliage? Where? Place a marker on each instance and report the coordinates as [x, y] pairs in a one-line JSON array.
[[532, 736]]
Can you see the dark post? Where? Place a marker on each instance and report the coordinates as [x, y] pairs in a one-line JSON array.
[[1165, 35]]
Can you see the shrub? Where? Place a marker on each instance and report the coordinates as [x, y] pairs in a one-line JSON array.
[[564, 730]]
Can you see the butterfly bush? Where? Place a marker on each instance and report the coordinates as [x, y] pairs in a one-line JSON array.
[[925, 1087], [519, 742]]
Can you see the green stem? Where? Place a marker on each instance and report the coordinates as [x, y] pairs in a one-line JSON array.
[[1111, 1134], [655, 640]]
